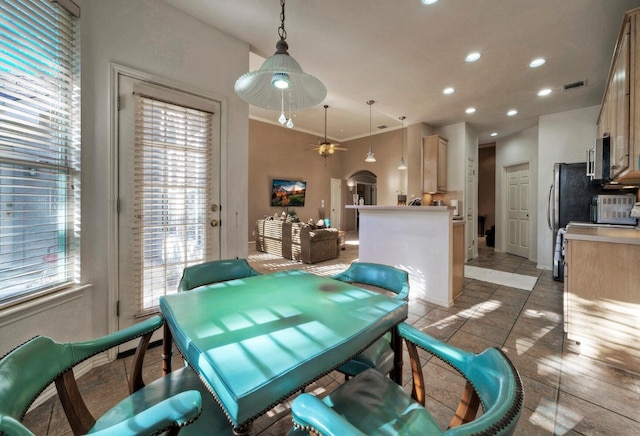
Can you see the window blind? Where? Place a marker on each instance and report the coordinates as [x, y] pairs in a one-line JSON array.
[[39, 148], [173, 167]]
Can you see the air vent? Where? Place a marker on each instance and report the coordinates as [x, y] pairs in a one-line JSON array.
[[382, 127], [574, 85]]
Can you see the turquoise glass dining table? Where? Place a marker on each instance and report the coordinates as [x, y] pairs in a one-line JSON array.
[[255, 341]]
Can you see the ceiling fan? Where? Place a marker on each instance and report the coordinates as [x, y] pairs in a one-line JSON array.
[[326, 148]]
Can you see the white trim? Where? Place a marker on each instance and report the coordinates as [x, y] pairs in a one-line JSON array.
[[32, 307], [504, 233], [115, 71]]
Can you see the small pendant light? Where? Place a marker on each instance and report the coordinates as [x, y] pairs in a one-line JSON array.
[[402, 166], [370, 157]]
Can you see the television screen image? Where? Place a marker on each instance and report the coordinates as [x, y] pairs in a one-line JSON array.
[[288, 192]]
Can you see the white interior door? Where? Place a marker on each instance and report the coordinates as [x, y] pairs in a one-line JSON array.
[[518, 210], [168, 191], [336, 203], [470, 227]]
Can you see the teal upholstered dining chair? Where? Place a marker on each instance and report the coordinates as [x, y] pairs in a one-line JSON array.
[[380, 354], [178, 401], [371, 404], [213, 272]]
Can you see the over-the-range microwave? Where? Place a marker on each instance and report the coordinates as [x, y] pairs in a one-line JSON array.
[[598, 160]]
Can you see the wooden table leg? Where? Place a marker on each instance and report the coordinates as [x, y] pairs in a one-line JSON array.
[[167, 345], [396, 345]]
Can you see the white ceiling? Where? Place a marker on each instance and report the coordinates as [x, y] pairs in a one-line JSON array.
[[402, 54]]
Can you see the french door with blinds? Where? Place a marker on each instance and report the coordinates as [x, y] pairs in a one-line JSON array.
[[168, 193]]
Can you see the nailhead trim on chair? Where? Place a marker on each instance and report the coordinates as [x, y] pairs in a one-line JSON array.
[[67, 368], [279, 400], [495, 428], [513, 410]]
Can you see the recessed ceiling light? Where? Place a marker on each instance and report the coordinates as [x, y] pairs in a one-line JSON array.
[[470, 110], [512, 112], [472, 57], [494, 134], [429, 2], [544, 92], [537, 62], [448, 90]]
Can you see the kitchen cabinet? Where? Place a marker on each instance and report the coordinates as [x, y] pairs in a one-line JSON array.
[[601, 298], [620, 112], [434, 164]]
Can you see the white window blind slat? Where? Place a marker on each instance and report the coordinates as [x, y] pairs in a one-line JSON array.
[[171, 187], [39, 149]]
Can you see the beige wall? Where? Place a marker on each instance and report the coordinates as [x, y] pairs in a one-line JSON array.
[[278, 152]]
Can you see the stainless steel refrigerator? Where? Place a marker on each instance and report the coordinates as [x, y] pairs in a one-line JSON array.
[[570, 198]]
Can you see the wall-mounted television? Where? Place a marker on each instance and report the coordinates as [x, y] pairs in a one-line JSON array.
[[288, 192]]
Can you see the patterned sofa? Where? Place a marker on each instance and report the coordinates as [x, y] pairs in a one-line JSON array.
[[297, 241]]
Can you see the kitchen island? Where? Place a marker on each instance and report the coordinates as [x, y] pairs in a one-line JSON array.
[[425, 241], [601, 296]]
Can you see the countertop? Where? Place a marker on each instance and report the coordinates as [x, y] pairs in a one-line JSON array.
[[409, 209], [402, 208], [629, 235]]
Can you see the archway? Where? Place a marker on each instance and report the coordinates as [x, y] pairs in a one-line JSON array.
[[363, 188]]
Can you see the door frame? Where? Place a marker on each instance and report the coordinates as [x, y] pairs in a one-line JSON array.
[[470, 203], [112, 231], [336, 200], [503, 232]]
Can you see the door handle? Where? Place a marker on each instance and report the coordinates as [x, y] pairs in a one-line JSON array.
[[214, 223], [549, 208]]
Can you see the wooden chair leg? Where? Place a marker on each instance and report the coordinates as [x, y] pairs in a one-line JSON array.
[[467, 408], [79, 417], [417, 392]]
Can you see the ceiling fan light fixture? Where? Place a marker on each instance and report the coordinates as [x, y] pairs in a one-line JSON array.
[[326, 148], [280, 73]]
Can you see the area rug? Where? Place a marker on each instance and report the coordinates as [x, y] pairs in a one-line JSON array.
[[500, 277]]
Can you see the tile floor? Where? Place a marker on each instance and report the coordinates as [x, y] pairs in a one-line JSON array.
[[564, 393]]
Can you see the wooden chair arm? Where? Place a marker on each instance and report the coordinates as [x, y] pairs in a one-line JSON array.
[[135, 381], [469, 401], [467, 407], [80, 418], [78, 415], [417, 392]]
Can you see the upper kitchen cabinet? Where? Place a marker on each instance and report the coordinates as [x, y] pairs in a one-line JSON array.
[[620, 113], [434, 164]]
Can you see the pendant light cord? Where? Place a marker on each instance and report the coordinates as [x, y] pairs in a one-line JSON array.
[[370, 103], [402, 136], [282, 33]]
